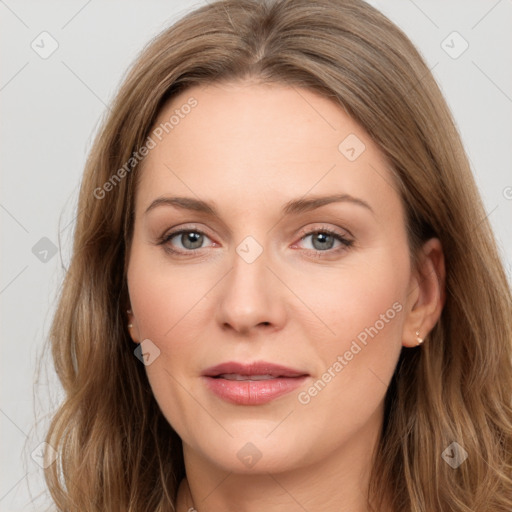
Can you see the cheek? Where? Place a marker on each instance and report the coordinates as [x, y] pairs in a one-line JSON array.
[[164, 296], [364, 307], [170, 305], [363, 293]]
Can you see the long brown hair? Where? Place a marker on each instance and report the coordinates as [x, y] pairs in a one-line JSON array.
[[116, 450]]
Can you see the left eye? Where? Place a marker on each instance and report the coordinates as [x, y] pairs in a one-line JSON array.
[[325, 240]]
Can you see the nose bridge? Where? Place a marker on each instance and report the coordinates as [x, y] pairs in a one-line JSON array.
[[248, 277]]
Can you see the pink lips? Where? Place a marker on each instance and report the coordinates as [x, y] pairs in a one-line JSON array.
[[252, 384]]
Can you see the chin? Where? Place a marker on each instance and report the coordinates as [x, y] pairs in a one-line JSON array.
[[255, 453]]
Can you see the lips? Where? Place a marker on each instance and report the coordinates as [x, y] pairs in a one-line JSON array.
[[257, 369], [253, 383], [237, 376]]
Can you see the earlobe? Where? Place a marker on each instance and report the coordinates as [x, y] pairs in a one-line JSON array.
[[132, 330], [428, 292]]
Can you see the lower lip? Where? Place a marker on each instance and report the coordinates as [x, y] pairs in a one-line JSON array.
[[255, 392]]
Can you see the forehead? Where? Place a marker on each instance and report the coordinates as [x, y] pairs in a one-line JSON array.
[[255, 143]]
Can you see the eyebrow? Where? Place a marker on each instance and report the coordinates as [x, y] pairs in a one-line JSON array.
[[293, 207]]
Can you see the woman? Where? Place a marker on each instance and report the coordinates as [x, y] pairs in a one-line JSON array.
[[284, 292]]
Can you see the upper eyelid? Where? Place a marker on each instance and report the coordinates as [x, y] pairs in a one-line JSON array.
[[178, 231], [225, 231], [335, 230], [304, 231]]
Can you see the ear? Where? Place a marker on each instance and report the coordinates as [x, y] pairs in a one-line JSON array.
[[132, 326], [426, 296]]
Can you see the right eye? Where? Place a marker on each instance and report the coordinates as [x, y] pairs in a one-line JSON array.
[[185, 241]]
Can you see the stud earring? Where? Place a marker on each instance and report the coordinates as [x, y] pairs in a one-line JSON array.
[[418, 339], [130, 326]]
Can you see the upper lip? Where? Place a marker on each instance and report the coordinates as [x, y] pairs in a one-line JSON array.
[[254, 368]]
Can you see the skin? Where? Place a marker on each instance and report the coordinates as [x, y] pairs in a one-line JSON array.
[[249, 149]]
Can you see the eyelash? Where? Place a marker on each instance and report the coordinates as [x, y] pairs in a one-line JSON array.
[[346, 243]]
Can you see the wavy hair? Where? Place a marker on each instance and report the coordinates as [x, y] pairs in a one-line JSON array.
[[117, 452]]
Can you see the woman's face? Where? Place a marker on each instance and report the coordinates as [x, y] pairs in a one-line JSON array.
[[287, 246]]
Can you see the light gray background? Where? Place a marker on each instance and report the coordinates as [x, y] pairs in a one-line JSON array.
[[50, 109]]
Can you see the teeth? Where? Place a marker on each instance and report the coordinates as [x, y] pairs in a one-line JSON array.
[[236, 376]]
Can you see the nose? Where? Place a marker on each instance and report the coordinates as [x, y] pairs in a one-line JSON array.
[[250, 297]]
